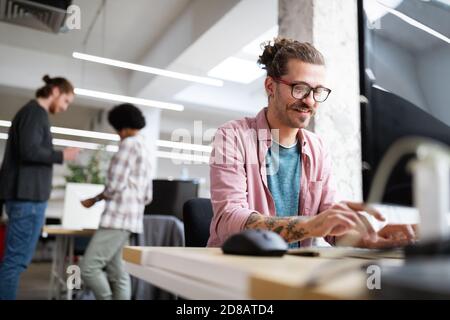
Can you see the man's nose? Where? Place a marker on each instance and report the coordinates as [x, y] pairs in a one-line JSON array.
[[309, 100]]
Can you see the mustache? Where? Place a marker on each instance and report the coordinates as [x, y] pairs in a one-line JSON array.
[[298, 106]]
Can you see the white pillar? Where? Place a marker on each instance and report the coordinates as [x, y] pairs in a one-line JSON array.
[[151, 134]]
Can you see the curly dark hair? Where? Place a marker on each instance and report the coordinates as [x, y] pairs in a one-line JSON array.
[[276, 56], [126, 116]]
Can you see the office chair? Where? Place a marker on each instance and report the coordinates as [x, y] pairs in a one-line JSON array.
[[197, 216]]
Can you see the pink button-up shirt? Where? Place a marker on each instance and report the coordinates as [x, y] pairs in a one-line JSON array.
[[239, 179]]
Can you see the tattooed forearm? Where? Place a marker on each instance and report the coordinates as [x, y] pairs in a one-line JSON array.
[[290, 228], [278, 230], [294, 230], [254, 219]]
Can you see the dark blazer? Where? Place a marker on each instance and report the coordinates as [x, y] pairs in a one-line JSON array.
[[26, 172]]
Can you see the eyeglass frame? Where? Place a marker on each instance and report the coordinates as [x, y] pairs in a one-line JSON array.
[[293, 84]]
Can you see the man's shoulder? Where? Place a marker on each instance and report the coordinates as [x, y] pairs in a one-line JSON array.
[[30, 112], [30, 107]]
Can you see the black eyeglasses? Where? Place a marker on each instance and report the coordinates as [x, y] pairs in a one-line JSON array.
[[300, 90]]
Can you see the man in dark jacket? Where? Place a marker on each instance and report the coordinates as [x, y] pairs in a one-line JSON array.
[[26, 176]]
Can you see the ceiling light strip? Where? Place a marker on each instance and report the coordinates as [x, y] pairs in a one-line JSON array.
[[114, 137], [127, 99], [142, 68], [112, 148], [182, 156], [415, 23], [85, 133], [184, 146]]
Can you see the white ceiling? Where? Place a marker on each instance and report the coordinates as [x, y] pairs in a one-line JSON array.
[[433, 15], [124, 29]]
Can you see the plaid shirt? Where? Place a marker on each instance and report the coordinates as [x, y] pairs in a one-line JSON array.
[[129, 186]]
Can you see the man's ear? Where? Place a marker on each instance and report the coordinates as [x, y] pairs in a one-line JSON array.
[[269, 85], [56, 92]]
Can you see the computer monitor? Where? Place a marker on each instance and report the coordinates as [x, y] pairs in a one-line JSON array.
[[404, 51], [169, 196]]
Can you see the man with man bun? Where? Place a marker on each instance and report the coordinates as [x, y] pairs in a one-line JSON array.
[[26, 177], [269, 172]]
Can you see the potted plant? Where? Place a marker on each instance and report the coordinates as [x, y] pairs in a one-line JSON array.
[[94, 172]]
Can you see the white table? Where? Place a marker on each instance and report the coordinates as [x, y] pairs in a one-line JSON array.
[[206, 273]]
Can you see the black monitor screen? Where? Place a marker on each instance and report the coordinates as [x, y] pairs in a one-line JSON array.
[[405, 76], [169, 196]]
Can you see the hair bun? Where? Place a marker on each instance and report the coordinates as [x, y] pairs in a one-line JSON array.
[[46, 79]]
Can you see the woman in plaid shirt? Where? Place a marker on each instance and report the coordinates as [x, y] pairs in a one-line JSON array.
[[128, 190]]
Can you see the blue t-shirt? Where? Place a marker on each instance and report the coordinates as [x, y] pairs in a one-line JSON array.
[[283, 178]]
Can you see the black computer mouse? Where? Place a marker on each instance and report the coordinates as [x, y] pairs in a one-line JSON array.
[[255, 242]]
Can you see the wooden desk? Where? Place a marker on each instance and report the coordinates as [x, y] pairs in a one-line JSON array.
[[63, 256], [206, 273]]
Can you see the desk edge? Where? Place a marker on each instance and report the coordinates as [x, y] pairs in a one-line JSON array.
[[132, 254]]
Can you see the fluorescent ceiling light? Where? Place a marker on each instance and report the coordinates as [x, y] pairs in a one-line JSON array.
[[4, 123], [184, 146], [254, 47], [380, 88], [83, 145], [113, 148], [127, 99], [415, 23], [85, 133], [370, 74], [115, 137], [376, 10], [182, 156], [141, 68], [237, 70], [75, 132], [106, 136], [67, 143], [444, 2]]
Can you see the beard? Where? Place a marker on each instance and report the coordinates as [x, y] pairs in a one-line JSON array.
[[53, 108]]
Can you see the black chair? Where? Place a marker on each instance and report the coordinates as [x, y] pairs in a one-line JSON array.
[[197, 216], [169, 196]]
